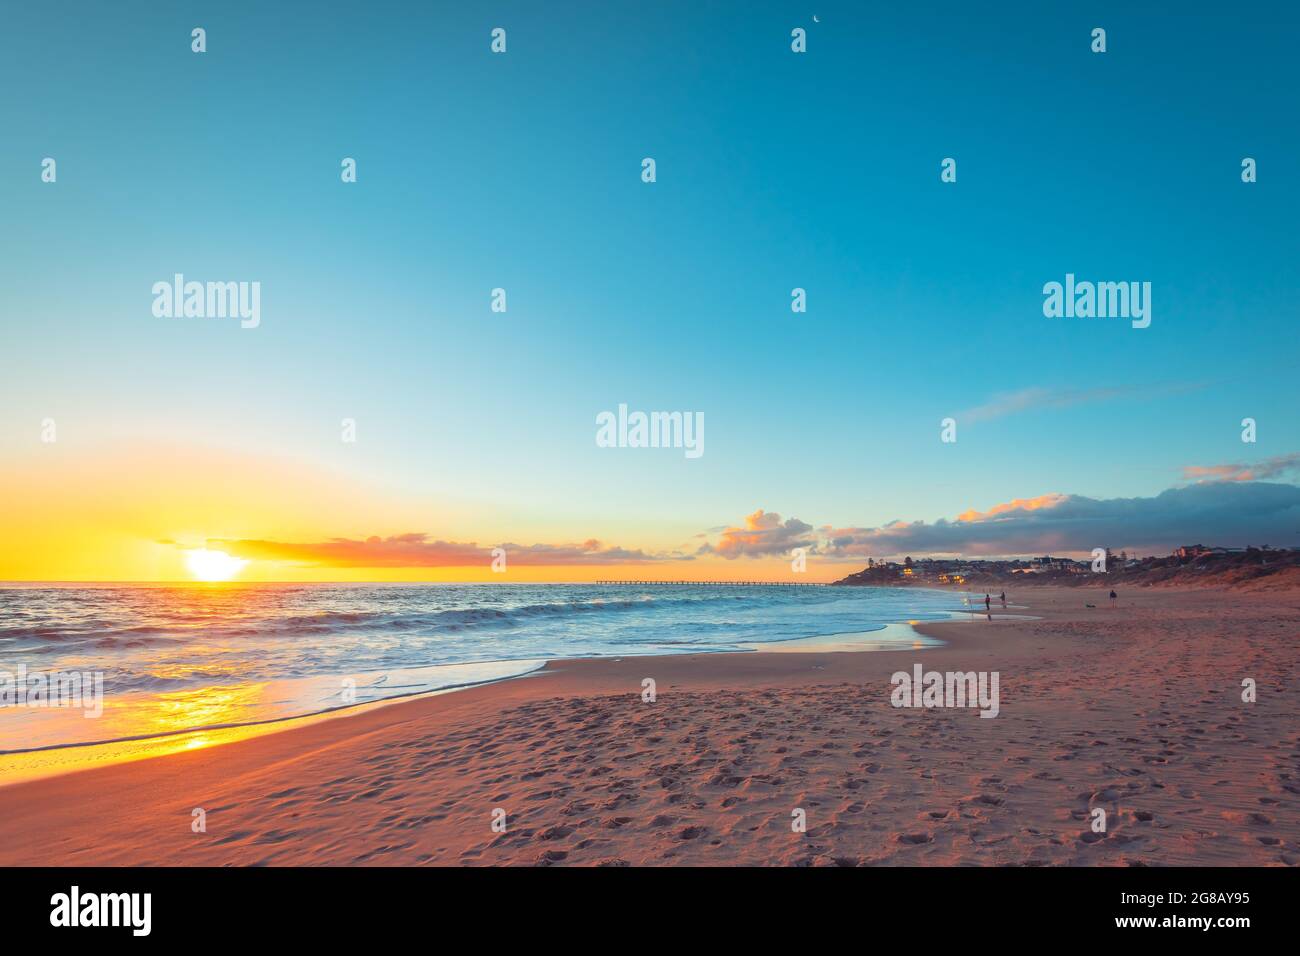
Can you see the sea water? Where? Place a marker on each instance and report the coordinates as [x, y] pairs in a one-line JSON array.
[[174, 658]]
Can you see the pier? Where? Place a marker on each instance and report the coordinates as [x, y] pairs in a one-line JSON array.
[[721, 584]]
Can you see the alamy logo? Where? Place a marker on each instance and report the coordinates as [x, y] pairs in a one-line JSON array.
[[208, 300], [103, 909], [653, 430], [84, 689], [1102, 300], [953, 689]]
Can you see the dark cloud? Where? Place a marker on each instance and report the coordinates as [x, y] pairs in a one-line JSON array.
[[1228, 513]]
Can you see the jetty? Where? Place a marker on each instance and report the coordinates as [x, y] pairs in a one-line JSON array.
[[721, 584]]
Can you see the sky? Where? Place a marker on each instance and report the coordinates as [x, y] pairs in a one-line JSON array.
[[522, 171]]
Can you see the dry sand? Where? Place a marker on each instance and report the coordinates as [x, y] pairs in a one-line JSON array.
[[1136, 710]]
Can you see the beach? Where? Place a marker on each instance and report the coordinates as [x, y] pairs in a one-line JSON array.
[[1136, 711]]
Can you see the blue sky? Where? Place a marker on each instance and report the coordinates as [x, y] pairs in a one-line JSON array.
[[775, 170]]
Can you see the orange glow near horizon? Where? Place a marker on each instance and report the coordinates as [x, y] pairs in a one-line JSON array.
[[164, 513]]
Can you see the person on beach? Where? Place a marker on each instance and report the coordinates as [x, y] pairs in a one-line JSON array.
[[1113, 597], [1004, 600], [988, 603]]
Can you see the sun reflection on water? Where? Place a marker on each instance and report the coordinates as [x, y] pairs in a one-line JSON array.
[[201, 707]]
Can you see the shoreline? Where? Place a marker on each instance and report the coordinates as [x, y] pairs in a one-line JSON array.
[[340, 710], [1134, 709], [25, 766], [28, 764]]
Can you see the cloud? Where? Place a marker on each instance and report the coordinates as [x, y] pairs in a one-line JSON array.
[[1221, 513], [1017, 504], [1032, 399], [763, 535], [1029, 399], [1225, 505], [1276, 467], [416, 550]]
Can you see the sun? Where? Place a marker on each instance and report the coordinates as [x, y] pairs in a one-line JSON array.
[[205, 565]]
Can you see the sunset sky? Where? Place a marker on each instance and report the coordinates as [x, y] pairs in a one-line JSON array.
[[476, 429]]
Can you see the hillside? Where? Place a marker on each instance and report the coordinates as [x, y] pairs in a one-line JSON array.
[[1251, 569]]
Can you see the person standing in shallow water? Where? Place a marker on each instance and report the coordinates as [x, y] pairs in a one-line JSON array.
[[987, 602], [1004, 600], [1113, 597]]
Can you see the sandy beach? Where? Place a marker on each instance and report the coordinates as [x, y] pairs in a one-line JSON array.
[[1137, 710]]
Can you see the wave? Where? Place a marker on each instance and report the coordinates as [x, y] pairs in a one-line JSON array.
[[275, 620]]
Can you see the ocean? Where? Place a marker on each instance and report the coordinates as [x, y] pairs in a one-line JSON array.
[[176, 658]]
